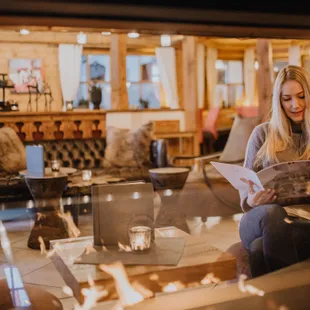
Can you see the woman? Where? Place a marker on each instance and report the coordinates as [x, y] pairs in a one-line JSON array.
[[264, 227]]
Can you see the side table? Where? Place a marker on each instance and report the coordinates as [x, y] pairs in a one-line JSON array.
[[46, 192]]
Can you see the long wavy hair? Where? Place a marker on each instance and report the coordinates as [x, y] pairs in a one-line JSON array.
[[279, 137]]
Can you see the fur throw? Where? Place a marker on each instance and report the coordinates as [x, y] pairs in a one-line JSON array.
[[128, 148], [12, 152]]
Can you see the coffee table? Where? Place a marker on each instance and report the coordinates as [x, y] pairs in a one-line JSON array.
[[198, 259]]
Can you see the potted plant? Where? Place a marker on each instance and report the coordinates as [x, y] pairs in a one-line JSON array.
[[144, 103], [96, 96]]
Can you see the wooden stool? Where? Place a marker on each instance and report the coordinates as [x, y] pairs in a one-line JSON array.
[[39, 298]]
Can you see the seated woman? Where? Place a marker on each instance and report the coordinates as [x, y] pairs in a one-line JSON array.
[[264, 226]]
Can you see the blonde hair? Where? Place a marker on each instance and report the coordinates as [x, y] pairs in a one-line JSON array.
[[279, 135]]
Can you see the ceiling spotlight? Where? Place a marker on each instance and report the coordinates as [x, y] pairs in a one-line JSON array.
[[165, 40], [81, 38], [133, 35], [106, 33], [24, 32]]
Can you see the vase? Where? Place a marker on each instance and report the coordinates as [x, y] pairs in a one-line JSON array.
[[96, 98]]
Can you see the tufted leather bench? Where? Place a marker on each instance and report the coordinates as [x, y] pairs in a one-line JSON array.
[[84, 154]]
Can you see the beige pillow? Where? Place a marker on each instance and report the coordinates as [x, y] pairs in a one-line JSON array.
[[128, 148], [241, 130], [12, 151]]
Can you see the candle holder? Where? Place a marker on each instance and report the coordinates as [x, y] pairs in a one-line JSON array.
[[69, 105], [140, 238], [55, 165], [86, 175]]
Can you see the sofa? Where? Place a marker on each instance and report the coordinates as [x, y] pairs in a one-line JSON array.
[[94, 154]]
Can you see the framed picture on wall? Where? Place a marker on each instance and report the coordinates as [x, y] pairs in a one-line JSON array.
[[24, 72]]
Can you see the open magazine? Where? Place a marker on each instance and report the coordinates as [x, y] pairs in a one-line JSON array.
[[290, 180]]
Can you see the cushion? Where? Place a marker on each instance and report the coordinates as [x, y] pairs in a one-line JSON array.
[[128, 148], [238, 138], [12, 152]]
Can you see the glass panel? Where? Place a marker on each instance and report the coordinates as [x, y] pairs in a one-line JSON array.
[[155, 73], [134, 95], [221, 95], [132, 68], [106, 96], [278, 66], [234, 72], [147, 63], [151, 93], [221, 67], [82, 96], [83, 73], [235, 94], [99, 67]]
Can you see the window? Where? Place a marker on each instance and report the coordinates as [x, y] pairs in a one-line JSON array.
[[95, 69], [143, 81], [229, 88], [279, 64]]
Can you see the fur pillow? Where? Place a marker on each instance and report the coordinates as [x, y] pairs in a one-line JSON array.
[[12, 152], [128, 148]]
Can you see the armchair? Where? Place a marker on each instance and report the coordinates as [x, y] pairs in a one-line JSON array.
[[233, 153], [250, 262]]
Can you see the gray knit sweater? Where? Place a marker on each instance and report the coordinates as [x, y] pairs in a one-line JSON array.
[[256, 141]]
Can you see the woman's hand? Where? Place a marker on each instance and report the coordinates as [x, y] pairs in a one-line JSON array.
[[262, 197]]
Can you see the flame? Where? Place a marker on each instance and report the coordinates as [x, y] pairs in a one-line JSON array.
[[128, 295], [90, 248], [173, 287], [90, 280], [125, 248], [154, 277], [41, 216], [209, 278], [193, 284], [42, 245], [43, 248], [146, 293], [67, 290], [92, 295], [72, 229], [288, 221], [248, 288]]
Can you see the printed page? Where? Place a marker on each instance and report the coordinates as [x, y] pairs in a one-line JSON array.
[[290, 180], [237, 175], [299, 211]]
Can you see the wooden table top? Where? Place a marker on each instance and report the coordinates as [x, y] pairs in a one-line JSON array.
[[198, 259]]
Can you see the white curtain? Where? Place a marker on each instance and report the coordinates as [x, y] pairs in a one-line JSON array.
[[211, 75], [70, 56], [294, 55], [166, 61], [249, 76], [201, 75]]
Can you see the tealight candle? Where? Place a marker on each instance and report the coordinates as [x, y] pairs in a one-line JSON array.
[[55, 165], [86, 175], [140, 238]]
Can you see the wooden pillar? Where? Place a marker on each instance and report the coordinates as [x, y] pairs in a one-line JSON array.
[[179, 67], [190, 89], [264, 77], [118, 52]]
